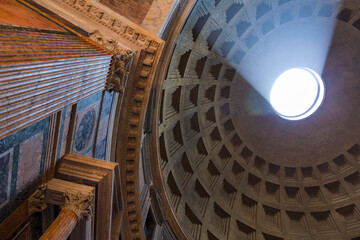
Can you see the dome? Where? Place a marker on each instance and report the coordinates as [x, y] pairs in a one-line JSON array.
[[231, 166]]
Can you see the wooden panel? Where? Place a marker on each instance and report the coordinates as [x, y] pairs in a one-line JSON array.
[[14, 221], [42, 72], [24, 233], [14, 13]]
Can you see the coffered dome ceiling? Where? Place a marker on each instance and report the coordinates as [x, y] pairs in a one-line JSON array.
[[233, 169]]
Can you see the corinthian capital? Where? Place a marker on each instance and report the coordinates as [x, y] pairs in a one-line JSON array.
[[79, 203]]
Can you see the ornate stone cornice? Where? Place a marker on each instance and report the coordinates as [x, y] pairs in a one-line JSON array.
[[110, 44], [78, 203], [112, 22], [36, 203]]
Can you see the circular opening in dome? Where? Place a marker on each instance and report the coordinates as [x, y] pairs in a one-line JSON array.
[[297, 93]]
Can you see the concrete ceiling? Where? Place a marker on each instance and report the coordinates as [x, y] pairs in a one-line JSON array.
[[233, 168]]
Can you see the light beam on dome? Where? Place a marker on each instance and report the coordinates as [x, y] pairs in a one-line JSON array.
[[301, 42]]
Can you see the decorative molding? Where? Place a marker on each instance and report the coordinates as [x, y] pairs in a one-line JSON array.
[[130, 151], [57, 187], [121, 71], [79, 203], [112, 22], [83, 170], [36, 203], [122, 62], [110, 44]]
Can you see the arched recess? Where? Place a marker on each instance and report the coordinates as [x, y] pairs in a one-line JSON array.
[[131, 121]]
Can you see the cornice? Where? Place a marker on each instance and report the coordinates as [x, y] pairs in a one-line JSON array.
[[123, 27]]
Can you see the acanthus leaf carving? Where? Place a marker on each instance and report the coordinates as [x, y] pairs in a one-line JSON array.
[[80, 204]]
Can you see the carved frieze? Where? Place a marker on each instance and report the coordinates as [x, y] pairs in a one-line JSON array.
[[112, 22]]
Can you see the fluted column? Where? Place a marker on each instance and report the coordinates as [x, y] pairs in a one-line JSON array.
[[62, 227], [76, 207]]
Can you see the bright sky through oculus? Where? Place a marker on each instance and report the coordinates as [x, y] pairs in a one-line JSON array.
[[297, 93]]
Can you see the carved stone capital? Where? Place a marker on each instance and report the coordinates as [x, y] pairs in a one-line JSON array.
[[78, 203], [36, 203]]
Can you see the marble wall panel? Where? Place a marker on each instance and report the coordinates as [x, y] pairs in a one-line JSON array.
[[6, 160], [101, 139], [103, 126], [86, 125], [29, 161], [22, 156]]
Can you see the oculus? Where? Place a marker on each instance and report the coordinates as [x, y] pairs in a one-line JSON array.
[[297, 93]]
